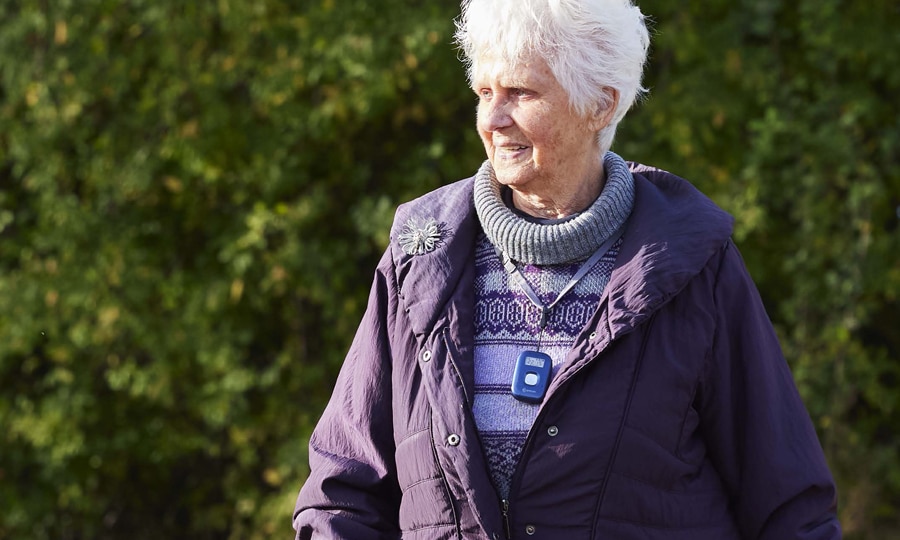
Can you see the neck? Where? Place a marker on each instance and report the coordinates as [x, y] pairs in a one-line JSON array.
[[566, 199]]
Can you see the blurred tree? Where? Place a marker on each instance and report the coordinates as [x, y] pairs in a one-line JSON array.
[[193, 197]]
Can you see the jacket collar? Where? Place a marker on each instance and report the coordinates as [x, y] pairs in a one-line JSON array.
[[428, 280], [671, 234]]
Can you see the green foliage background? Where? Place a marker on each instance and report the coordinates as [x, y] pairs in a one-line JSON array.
[[193, 197]]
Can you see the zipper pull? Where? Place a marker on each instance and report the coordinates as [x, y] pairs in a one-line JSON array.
[[506, 529]]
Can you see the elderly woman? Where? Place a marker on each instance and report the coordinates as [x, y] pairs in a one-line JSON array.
[[564, 346]]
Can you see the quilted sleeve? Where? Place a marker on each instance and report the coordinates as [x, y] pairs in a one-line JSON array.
[[352, 492]]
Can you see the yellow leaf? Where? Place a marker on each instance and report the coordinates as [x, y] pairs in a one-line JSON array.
[[33, 94], [189, 129], [272, 477], [61, 33], [51, 298], [173, 184], [108, 316], [237, 290]]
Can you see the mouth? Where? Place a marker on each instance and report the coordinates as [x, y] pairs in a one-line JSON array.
[[511, 152]]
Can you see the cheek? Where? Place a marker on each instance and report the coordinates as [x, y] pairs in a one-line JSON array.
[[485, 137], [559, 145], [542, 127], [547, 137], [479, 124]]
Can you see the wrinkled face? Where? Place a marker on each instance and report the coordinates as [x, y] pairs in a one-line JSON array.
[[533, 139]]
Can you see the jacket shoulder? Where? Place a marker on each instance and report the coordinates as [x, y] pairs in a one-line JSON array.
[[673, 205], [448, 205], [431, 245], [672, 235]]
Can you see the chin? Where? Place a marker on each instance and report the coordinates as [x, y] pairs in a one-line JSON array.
[[512, 176], [512, 180]]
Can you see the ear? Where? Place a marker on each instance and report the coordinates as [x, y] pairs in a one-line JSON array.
[[602, 116]]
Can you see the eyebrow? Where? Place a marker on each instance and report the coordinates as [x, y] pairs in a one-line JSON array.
[[505, 83], [516, 83]]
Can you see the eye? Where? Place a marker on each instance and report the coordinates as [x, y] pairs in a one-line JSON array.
[[485, 94], [519, 92]]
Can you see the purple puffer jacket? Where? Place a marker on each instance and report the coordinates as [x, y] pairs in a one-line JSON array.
[[675, 416]]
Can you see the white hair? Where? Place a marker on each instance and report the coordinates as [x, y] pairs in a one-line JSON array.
[[589, 45]]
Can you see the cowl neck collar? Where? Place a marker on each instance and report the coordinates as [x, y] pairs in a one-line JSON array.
[[567, 241]]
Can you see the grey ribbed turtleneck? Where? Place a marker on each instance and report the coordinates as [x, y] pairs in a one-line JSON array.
[[565, 242]]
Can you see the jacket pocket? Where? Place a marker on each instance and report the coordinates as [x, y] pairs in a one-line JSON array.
[[653, 486], [425, 503]]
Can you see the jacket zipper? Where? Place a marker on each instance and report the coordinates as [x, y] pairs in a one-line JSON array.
[[504, 503], [514, 484], [618, 440], [506, 529]]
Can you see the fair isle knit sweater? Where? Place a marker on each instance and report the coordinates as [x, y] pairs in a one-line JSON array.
[[547, 254]]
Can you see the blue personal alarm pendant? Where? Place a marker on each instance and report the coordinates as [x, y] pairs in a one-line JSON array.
[[531, 376]]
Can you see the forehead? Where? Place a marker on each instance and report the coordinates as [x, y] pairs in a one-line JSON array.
[[507, 72]]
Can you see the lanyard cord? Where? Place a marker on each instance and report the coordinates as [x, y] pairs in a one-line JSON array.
[[512, 269]]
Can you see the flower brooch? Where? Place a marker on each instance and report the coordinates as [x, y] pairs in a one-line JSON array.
[[419, 237]]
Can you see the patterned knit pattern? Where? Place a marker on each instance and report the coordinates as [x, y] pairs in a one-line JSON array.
[[507, 323]]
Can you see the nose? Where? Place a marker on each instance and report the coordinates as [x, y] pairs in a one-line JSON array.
[[494, 114]]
